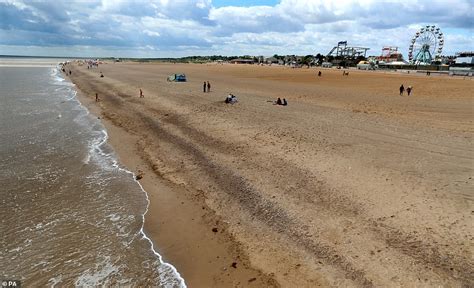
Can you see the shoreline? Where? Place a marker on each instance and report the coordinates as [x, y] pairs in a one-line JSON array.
[[333, 190], [203, 258]]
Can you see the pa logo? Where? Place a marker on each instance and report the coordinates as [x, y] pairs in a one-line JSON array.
[[11, 283]]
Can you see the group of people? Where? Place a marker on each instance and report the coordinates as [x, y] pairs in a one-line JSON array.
[[63, 68], [92, 63], [230, 99], [280, 102], [206, 85], [408, 89]]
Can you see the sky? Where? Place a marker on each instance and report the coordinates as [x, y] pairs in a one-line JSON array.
[[176, 28]]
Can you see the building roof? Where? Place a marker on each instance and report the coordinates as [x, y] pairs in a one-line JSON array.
[[241, 60]]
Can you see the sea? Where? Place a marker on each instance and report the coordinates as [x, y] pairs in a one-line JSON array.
[[71, 214]]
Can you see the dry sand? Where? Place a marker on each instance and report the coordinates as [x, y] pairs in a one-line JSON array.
[[349, 185]]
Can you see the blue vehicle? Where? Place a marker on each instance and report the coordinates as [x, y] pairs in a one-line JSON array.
[[177, 78]]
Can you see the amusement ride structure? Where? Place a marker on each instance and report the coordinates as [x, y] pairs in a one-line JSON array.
[[390, 54], [344, 51], [426, 46]]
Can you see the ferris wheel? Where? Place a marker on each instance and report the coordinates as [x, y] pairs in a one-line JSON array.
[[426, 45]]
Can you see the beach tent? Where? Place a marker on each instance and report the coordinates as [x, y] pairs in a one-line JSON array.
[[177, 78]]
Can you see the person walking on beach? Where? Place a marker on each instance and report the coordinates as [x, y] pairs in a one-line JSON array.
[[96, 97], [409, 90], [141, 93], [319, 73], [208, 86], [204, 87], [402, 89]]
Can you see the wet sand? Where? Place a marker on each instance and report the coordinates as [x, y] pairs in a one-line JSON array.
[[349, 185]]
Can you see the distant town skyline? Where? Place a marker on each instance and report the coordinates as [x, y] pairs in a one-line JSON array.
[[163, 28]]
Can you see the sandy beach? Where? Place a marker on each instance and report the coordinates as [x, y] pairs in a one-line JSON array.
[[349, 185]]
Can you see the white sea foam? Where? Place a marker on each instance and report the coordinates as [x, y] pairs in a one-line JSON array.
[[113, 217], [41, 263], [165, 269], [54, 281], [17, 249], [169, 276], [103, 270]]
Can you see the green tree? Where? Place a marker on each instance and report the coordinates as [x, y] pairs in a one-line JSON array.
[[307, 60]]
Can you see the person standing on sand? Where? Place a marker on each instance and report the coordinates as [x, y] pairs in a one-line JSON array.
[[402, 89], [409, 90], [96, 97], [141, 93], [208, 86], [204, 87]]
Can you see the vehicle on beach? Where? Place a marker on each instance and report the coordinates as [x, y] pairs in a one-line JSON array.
[[326, 65], [365, 65], [177, 78]]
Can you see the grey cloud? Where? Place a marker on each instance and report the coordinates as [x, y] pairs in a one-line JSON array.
[[252, 20], [14, 18], [183, 23], [388, 15], [178, 10], [188, 10], [55, 11], [312, 14]]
